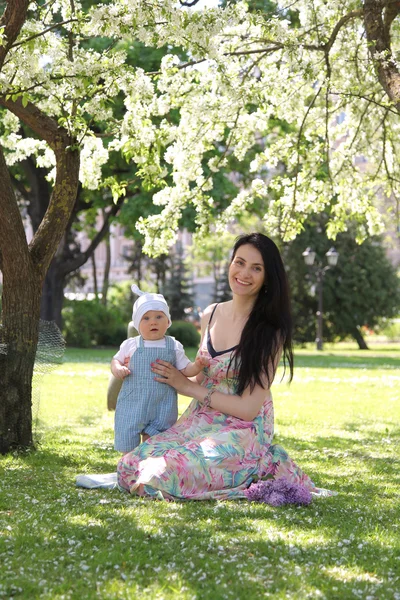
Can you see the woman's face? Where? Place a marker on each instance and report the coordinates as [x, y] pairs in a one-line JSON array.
[[246, 271]]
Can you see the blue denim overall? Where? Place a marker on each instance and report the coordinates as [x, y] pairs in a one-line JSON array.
[[144, 405]]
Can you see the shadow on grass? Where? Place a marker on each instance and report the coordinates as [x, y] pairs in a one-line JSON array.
[[76, 455]]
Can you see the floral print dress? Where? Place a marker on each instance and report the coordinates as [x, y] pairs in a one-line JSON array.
[[209, 454]]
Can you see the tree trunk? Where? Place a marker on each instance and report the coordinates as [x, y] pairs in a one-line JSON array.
[[22, 282], [21, 308], [107, 267], [94, 273], [53, 294], [362, 344]]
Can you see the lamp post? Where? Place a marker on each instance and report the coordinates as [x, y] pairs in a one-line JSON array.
[[309, 257]]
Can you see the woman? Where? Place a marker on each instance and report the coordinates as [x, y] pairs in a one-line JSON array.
[[224, 439]]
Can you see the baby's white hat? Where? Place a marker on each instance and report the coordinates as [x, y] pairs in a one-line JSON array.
[[145, 302]]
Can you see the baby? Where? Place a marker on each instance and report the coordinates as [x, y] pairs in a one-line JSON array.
[[146, 406]]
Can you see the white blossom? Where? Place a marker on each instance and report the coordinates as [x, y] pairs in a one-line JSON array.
[[242, 71]]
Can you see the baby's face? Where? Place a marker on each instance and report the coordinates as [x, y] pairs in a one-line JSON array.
[[153, 325]]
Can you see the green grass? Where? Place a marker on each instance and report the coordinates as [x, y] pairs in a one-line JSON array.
[[339, 419]]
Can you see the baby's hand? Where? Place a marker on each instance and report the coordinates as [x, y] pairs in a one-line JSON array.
[[201, 362], [120, 372]]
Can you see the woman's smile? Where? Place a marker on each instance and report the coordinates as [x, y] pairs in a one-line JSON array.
[[242, 282]]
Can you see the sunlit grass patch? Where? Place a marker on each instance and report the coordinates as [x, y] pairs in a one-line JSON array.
[[339, 420]]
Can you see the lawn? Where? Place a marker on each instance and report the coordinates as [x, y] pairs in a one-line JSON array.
[[339, 419]]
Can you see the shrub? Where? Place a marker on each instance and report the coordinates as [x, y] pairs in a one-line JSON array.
[[185, 333], [88, 323], [120, 300], [392, 330]]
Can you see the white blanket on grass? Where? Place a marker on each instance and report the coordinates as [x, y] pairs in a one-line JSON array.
[[106, 481]]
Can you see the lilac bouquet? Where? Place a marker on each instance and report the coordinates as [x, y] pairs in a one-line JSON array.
[[278, 491]]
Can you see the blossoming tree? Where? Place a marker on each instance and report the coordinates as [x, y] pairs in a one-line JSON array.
[[332, 79]]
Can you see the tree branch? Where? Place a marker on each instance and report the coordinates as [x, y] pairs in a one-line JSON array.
[[379, 45], [44, 126], [12, 20], [32, 37], [275, 45], [367, 98], [392, 9], [343, 21]]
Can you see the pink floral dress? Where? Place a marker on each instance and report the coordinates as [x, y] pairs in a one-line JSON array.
[[209, 454]]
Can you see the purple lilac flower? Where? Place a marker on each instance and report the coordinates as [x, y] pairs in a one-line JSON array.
[[279, 491]]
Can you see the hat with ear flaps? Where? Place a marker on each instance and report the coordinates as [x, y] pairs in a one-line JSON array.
[[145, 302]]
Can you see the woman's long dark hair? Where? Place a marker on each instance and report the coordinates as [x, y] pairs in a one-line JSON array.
[[269, 326]]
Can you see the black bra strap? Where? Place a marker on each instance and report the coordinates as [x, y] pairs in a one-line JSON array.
[[212, 314]]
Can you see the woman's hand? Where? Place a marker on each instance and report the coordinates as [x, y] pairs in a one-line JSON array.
[[167, 373]]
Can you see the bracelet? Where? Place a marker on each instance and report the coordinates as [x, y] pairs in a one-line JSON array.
[[207, 398]]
